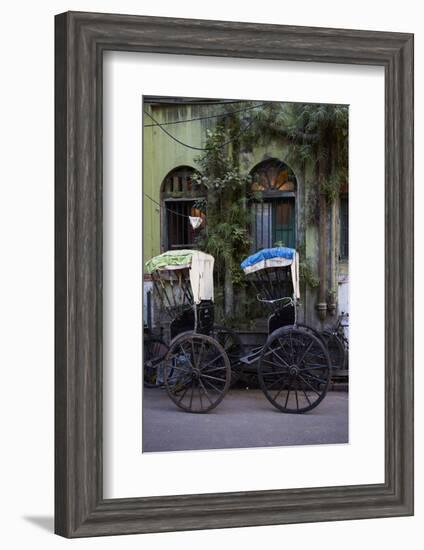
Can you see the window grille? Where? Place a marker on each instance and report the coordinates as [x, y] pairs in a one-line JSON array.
[[273, 205], [180, 233], [181, 195], [273, 221]]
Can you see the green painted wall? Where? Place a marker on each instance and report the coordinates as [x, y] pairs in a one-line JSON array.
[[162, 154]]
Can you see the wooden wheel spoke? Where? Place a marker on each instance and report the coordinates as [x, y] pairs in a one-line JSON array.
[[278, 393], [313, 377], [212, 377], [182, 396], [305, 352], [211, 362], [177, 388], [275, 382], [184, 380], [283, 348], [306, 395], [193, 354], [214, 369], [291, 344], [287, 397], [186, 356], [212, 385], [200, 397], [274, 371], [192, 394], [206, 391], [309, 385], [183, 369], [200, 356], [274, 352]]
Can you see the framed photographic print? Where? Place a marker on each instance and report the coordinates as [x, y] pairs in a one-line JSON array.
[[234, 274], [266, 341]]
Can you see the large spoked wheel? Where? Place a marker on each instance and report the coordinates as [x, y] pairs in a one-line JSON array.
[[155, 351], [336, 350], [233, 347], [294, 370], [197, 372]]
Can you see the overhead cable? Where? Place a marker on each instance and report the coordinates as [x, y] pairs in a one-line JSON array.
[[222, 115], [225, 143]]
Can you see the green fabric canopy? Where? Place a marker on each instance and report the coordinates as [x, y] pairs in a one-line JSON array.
[[171, 258]]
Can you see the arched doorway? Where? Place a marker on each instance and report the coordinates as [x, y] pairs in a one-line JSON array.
[[273, 205]]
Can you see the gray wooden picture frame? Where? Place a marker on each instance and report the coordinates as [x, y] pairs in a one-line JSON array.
[[80, 40]]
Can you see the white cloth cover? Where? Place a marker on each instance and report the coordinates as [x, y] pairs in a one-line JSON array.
[[295, 276], [201, 276]]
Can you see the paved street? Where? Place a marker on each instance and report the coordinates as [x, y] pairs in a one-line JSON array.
[[245, 418]]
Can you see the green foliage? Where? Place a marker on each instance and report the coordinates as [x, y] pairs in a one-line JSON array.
[[307, 273], [331, 296], [330, 187], [317, 134], [227, 218], [312, 204]]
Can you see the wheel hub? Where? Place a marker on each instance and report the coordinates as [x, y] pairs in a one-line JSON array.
[[294, 370]]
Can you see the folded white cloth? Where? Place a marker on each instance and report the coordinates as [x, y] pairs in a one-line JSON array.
[[195, 221]]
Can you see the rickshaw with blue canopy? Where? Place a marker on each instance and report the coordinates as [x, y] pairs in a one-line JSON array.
[[293, 367]]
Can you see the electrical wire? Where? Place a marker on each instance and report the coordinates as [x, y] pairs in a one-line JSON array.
[[222, 115], [167, 209], [193, 146], [156, 123]]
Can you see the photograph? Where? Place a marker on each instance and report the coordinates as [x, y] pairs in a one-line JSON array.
[[209, 252], [246, 273]]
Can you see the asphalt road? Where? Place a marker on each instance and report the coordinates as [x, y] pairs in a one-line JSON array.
[[243, 419]]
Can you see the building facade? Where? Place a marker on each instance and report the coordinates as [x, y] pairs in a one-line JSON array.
[[283, 214]]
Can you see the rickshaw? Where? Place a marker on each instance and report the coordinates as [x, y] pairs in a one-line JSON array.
[[196, 370], [293, 367]]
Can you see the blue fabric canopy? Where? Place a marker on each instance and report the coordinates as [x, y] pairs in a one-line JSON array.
[[267, 254]]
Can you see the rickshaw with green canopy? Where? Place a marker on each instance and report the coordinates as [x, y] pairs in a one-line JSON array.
[[196, 369]]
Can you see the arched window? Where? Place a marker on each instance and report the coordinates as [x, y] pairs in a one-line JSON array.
[[273, 205], [180, 197]]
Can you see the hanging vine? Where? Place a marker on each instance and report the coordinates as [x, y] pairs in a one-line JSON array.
[[317, 137], [227, 236]]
